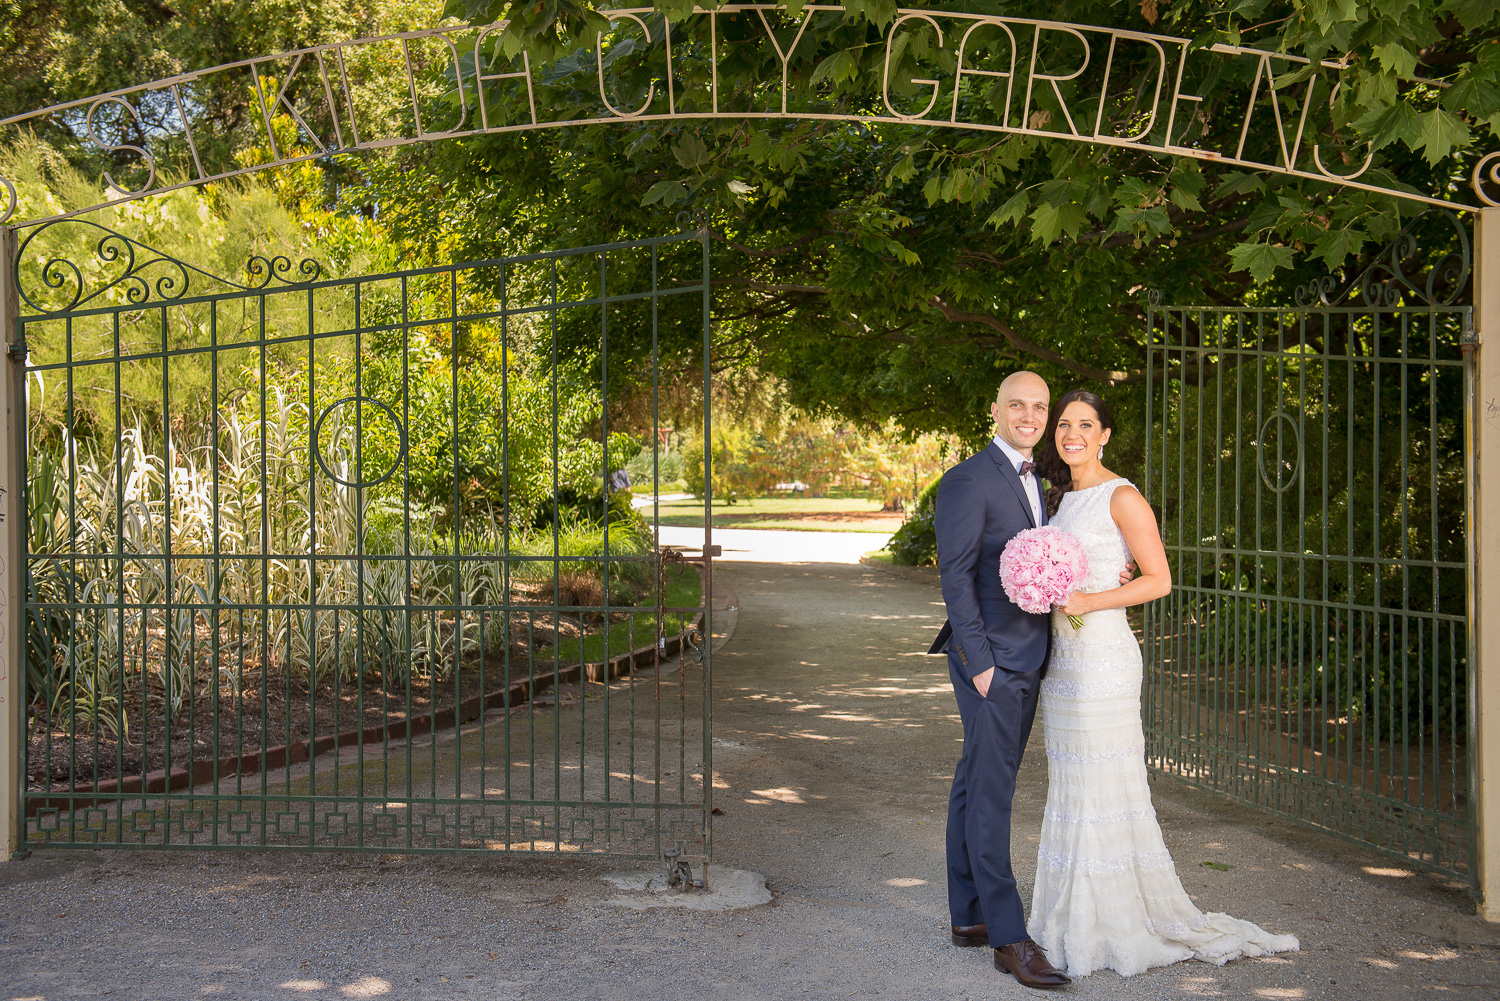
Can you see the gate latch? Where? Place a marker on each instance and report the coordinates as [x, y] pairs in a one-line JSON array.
[[694, 639], [680, 871]]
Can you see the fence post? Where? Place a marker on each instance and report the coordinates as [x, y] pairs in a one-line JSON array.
[[12, 559], [1484, 536]]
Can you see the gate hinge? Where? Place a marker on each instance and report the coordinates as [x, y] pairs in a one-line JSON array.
[[17, 351]]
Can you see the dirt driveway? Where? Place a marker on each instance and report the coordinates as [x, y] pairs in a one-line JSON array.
[[835, 740]]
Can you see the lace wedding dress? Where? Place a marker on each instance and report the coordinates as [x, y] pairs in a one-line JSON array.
[[1106, 893]]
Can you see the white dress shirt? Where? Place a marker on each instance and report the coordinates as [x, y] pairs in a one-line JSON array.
[[1028, 480]]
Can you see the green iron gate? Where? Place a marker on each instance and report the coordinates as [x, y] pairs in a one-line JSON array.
[[345, 564], [1309, 467]]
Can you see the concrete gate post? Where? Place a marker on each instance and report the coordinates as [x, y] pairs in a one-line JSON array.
[[12, 558], [1484, 554]]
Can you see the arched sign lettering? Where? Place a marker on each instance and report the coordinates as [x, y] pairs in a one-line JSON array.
[[1010, 75]]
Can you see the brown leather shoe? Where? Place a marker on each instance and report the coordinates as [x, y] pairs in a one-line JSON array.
[[970, 936], [1026, 961]]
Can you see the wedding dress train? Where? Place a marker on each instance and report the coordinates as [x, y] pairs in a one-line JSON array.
[[1106, 894]]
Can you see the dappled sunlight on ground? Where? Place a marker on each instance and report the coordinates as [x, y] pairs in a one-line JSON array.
[[781, 796], [1203, 987], [365, 987]]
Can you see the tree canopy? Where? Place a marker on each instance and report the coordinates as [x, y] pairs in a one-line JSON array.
[[894, 270], [881, 270]]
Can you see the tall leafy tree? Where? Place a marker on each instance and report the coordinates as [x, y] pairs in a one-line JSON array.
[[890, 270], [56, 51]]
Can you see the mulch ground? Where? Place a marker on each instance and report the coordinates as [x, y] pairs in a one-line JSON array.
[[133, 734], [268, 712]]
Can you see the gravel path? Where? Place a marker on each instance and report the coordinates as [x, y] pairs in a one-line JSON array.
[[835, 740]]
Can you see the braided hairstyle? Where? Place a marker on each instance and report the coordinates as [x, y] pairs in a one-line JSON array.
[[1049, 463]]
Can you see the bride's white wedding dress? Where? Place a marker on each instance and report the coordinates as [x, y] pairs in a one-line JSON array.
[[1106, 893]]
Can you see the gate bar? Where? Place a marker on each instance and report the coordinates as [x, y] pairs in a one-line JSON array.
[[1484, 536], [12, 557]]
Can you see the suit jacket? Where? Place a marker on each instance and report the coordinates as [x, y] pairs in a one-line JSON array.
[[981, 505]]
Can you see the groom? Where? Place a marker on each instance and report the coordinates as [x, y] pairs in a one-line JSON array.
[[997, 655]]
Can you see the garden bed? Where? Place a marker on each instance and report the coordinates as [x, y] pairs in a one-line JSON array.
[[278, 720]]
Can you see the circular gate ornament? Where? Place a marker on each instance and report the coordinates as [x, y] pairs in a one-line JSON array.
[[317, 442], [1276, 484]]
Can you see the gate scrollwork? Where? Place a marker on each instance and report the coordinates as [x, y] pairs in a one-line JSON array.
[[148, 274], [1395, 276]]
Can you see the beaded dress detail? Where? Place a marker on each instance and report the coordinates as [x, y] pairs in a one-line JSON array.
[[1106, 894]]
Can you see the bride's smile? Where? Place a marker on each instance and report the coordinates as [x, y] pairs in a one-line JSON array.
[[1079, 438]]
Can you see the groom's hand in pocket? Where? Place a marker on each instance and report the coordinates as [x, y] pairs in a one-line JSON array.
[[982, 682], [1128, 574]]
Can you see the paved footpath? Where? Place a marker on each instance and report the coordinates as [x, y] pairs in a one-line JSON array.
[[835, 741]]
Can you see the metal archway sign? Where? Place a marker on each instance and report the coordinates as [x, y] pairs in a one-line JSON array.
[[949, 69]]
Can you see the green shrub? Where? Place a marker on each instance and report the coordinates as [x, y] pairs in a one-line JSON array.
[[669, 468], [915, 542]]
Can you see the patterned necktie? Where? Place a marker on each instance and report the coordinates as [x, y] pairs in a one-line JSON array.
[[1027, 466]]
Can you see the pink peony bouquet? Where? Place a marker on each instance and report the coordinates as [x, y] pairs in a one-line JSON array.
[[1042, 567]]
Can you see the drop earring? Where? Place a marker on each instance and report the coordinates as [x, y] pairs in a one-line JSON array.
[[1101, 453]]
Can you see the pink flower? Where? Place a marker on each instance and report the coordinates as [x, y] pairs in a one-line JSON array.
[[1042, 567]]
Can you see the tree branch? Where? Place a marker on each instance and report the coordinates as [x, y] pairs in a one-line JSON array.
[[773, 251], [1108, 376]]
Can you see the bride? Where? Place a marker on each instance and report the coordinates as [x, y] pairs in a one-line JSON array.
[[1106, 893]]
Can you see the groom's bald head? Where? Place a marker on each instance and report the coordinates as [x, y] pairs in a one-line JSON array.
[[1022, 382], [1020, 410]]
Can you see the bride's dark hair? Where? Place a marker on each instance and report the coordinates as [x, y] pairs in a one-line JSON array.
[[1049, 463]]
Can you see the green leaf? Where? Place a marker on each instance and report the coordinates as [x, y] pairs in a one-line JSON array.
[[1133, 192], [1260, 259], [691, 152], [1237, 183], [1187, 174], [1397, 58], [1383, 126], [1050, 221], [1374, 90], [841, 66], [1185, 199], [676, 10], [1473, 14], [1339, 245], [659, 191], [1327, 13], [932, 190], [1014, 210], [1220, 866], [1475, 93], [905, 169], [1441, 132]]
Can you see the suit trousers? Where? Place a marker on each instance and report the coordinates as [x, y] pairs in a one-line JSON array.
[[981, 885]]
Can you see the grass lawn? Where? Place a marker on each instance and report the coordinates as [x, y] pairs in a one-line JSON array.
[[809, 514], [684, 590]]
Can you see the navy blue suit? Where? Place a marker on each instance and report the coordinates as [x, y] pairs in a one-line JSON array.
[[981, 505]]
